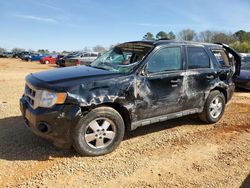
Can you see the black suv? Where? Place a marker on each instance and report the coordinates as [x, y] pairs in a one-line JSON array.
[[132, 85]]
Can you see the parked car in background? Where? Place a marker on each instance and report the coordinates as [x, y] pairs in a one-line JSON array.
[[246, 59], [90, 107], [20, 54], [61, 60], [243, 80], [25, 56], [6, 54], [34, 57], [51, 59], [82, 58]]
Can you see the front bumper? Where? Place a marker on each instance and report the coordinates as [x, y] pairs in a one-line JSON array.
[[54, 124]]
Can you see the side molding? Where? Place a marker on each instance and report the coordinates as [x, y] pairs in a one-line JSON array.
[[162, 118]]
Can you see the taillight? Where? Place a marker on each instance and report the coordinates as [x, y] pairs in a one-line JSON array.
[[77, 62]]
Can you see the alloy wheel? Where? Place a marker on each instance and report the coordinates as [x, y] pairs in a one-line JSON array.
[[100, 133], [215, 107]]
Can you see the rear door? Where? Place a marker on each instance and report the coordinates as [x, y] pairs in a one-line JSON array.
[[200, 76]]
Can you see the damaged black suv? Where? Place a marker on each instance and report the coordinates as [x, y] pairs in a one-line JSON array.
[[132, 85]]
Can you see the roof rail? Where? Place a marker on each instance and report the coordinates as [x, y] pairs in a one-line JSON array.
[[166, 38]]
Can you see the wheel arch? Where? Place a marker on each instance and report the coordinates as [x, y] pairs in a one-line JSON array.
[[123, 111], [223, 91]]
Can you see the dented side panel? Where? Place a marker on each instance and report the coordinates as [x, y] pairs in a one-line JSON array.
[[160, 94], [153, 95]]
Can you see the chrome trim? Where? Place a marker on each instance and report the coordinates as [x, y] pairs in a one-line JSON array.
[[32, 95], [162, 118]]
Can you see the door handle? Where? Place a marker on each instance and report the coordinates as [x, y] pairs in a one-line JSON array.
[[210, 76], [176, 81]]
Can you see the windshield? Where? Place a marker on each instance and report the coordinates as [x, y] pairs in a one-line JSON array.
[[122, 58], [245, 66]]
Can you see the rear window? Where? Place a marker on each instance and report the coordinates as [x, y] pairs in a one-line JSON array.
[[197, 58], [221, 57]]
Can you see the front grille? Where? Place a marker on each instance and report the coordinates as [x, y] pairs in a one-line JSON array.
[[30, 91], [30, 100], [31, 95]]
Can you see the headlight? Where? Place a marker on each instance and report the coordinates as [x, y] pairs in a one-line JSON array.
[[48, 99]]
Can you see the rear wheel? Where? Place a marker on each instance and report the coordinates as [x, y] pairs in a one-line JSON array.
[[214, 107], [99, 132]]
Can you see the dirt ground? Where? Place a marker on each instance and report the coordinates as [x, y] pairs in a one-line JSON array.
[[177, 153]]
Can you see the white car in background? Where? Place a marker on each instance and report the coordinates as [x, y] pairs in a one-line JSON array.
[[82, 58]]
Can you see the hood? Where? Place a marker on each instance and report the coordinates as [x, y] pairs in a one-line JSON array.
[[70, 74]]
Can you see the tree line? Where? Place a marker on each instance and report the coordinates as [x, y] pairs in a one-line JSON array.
[[97, 48], [239, 40]]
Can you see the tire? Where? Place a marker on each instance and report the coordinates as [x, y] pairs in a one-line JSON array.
[[29, 60], [46, 62], [99, 132], [214, 107]]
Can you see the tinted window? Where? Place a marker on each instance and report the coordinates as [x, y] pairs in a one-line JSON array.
[[165, 59], [197, 58], [86, 55], [221, 57]]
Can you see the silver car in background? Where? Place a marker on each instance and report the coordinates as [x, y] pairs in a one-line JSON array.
[[82, 58]]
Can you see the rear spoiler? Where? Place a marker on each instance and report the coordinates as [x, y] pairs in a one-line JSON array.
[[237, 58]]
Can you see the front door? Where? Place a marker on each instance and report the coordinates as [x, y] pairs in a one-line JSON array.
[[161, 87]]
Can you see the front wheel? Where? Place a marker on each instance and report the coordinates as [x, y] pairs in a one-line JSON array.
[[99, 132], [214, 107]]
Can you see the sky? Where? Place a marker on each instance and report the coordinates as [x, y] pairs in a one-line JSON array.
[[72, 25]]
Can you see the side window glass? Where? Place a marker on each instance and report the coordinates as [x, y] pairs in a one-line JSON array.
[[197, 58], [93, 55], [221, 57], [165, 59]]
